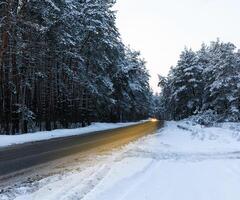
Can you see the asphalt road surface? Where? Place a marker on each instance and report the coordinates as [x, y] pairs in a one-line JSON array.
[[30, 155]]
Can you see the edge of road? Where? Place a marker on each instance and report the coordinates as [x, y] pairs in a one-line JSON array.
[[28, 143]]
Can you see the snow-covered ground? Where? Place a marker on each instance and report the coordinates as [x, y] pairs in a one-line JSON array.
[[7, 140], [182, 161]]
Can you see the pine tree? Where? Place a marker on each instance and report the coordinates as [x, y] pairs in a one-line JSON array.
[[223, 77], [206, 81], [186, 84]]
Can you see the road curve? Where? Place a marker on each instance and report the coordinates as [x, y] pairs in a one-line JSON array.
[[25, 156]]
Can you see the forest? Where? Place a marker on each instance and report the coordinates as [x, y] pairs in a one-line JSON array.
[[205, 83], [63, 64]]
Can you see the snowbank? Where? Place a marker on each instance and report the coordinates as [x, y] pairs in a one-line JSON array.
[[7, 140]]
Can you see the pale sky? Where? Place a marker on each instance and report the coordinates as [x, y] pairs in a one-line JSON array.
[[161, 29]]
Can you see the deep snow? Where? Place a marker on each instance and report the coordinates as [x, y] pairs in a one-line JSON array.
[[182, 161]]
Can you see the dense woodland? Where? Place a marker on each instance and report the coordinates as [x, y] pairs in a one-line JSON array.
[[204, 83], [63, 64]]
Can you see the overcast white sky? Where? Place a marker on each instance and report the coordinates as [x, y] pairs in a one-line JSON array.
[[161, 28]]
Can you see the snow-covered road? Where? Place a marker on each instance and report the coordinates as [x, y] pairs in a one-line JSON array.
[[181, 162]]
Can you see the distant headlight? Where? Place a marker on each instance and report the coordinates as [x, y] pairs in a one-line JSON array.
[[153, 119]]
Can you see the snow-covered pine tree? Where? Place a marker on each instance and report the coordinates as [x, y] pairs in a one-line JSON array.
[[186, 85], [132, 93], [100, 51], [138, 85], [222, 81]]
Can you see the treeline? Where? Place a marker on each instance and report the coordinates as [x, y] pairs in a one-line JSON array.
[[206, 82], [63, 63]]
